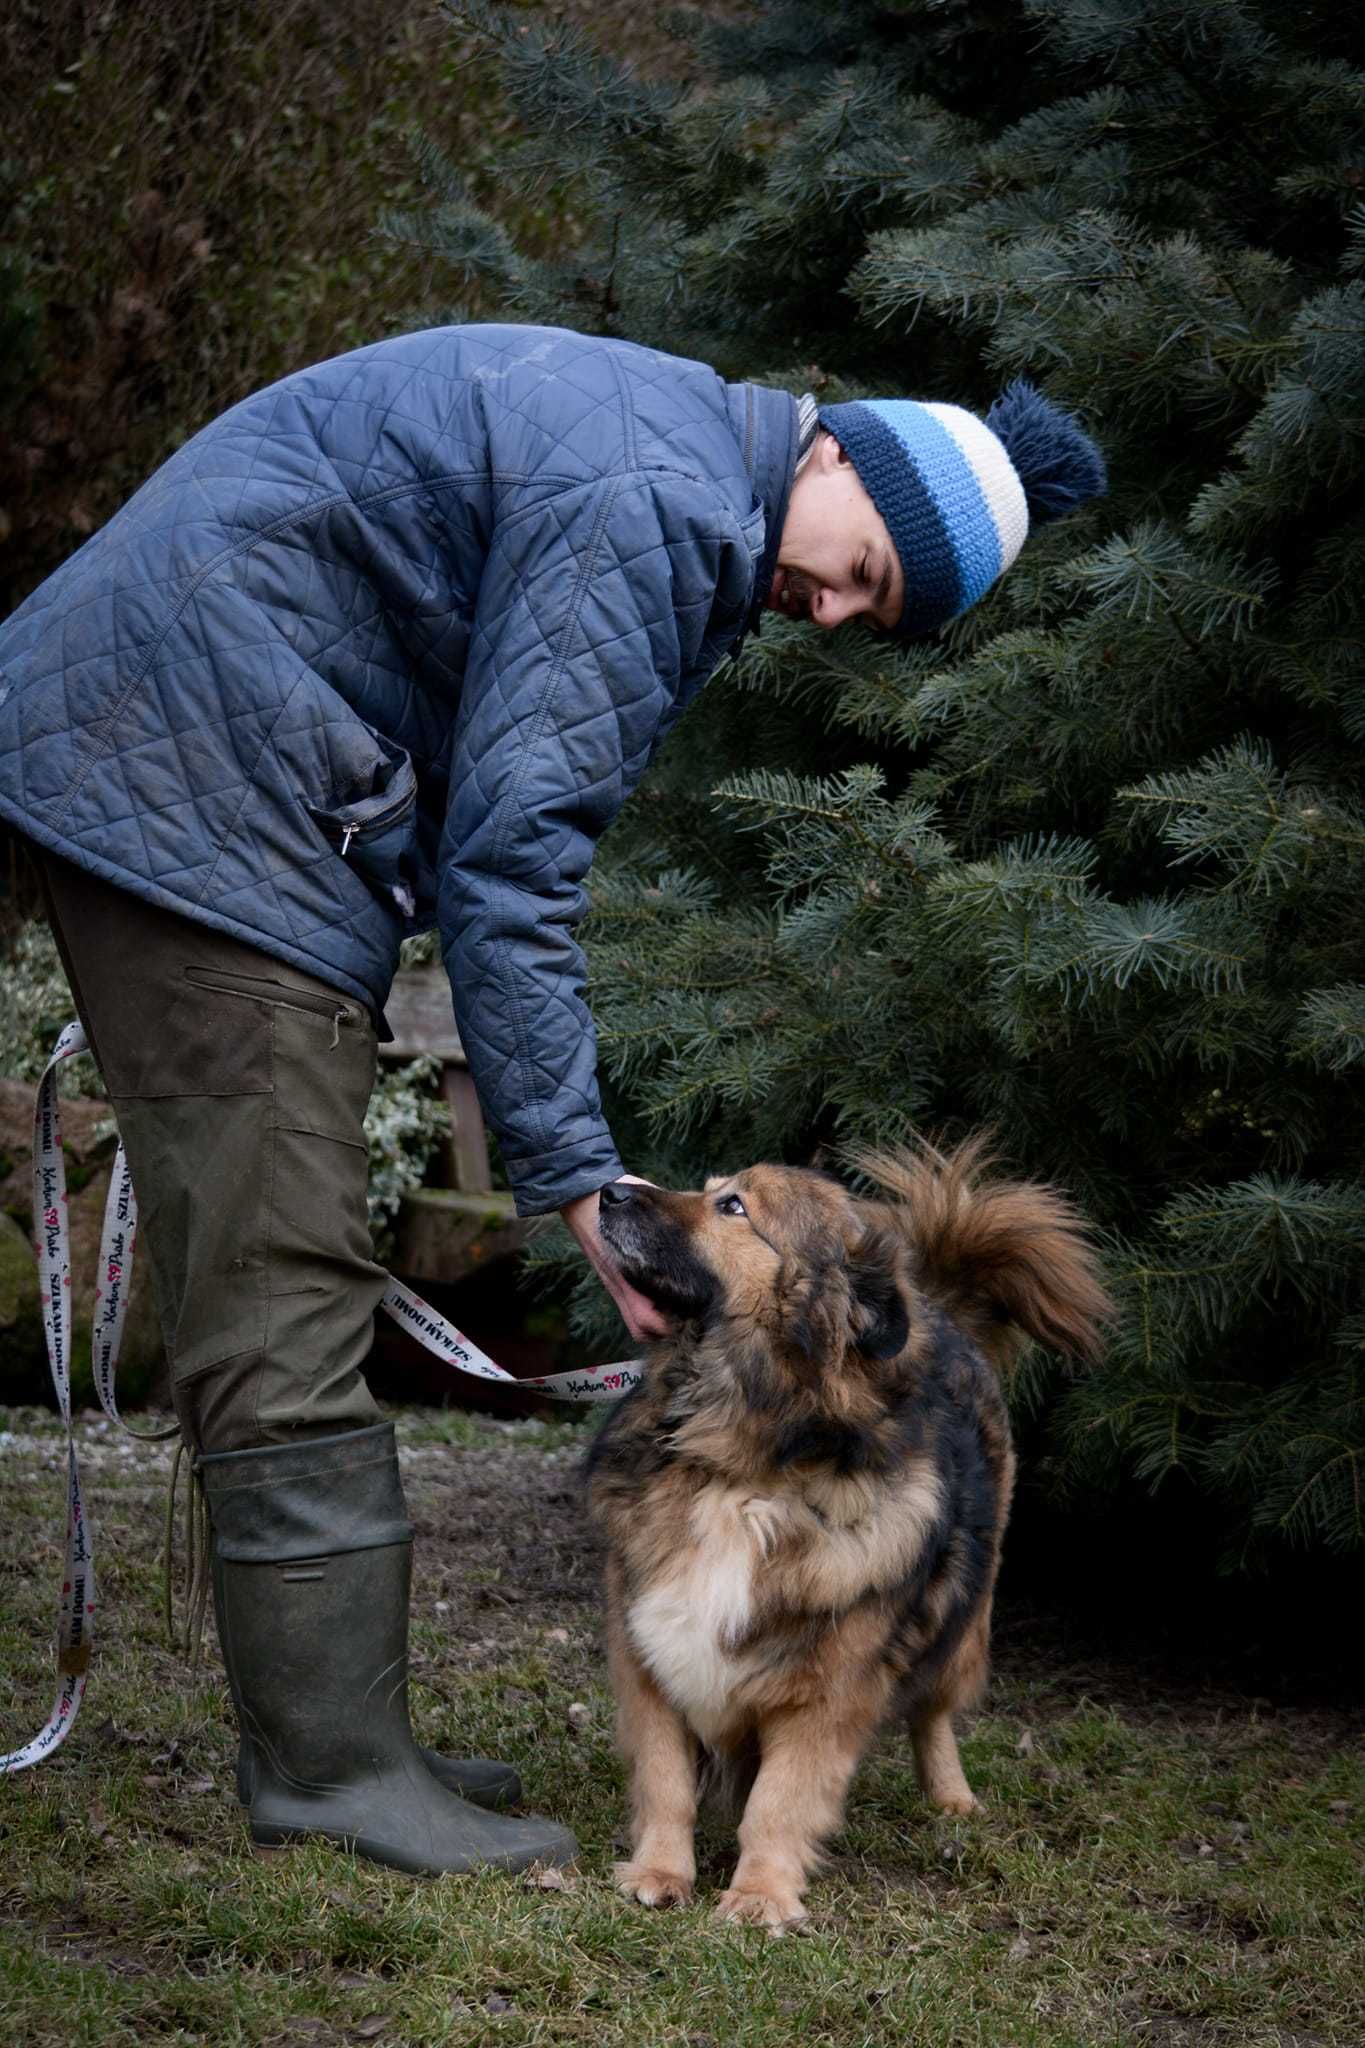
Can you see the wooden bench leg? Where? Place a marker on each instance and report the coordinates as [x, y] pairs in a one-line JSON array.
[[468, 1143]]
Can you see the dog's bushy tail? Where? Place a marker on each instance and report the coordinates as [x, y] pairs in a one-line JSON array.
[[1007, 1259], [725, 1779]]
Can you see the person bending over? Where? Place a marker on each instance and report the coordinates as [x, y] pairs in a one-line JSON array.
[[383, 650]]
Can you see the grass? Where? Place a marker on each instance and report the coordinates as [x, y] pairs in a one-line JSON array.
[[1150, 1867]]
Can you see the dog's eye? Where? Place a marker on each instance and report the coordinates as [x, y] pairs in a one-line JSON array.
[[730, 1205]]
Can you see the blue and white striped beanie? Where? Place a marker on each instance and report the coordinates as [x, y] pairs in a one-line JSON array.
[[959, 494]]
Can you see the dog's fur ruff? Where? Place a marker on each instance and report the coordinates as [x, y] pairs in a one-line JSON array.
[[804, 1499]]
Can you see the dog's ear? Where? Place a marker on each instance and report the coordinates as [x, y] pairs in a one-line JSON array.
[[812, 1295], [878, 1306]]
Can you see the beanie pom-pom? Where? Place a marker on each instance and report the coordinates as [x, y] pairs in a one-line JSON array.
[[1054, 458]]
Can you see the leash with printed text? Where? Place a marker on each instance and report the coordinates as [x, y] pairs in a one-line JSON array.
[[75, 1621]]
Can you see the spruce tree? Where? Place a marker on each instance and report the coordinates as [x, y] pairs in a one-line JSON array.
[[1086, 868]]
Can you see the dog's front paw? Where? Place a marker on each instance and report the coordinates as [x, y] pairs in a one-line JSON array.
[[955, 1800], [652, 1887], [778, 1911]]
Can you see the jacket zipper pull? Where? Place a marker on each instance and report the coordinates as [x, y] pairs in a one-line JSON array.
[[347, 836]]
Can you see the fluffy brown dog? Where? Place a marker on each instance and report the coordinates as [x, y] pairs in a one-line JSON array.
[[804, 1500]]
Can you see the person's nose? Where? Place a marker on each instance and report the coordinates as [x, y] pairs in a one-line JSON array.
[[829, 608]]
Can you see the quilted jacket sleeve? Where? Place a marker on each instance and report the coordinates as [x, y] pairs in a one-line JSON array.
[[600, 612]]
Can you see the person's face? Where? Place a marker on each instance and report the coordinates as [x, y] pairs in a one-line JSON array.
[[835, 560]]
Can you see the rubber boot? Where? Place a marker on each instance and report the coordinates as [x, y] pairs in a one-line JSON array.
[[314, 1555], [479, 1779]]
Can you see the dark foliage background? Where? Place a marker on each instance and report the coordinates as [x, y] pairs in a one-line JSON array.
[[1088, 867]]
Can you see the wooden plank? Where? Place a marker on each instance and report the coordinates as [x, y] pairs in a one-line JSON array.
[[442, 1235], [422, 1022], [420, 1017], [468, 1141]]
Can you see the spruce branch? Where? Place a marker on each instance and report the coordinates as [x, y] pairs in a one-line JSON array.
[[1151, 573], [1239, 808], [1088, 864], [1330, 1029]]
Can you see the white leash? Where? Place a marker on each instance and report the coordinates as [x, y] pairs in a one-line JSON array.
[[589, 1383], [75, 1622]]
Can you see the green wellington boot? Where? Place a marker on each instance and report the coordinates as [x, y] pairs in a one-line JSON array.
[[476, 1778], [313, 1566]]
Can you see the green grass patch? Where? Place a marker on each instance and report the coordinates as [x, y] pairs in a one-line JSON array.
[[1148, 1868], [483, 1432]]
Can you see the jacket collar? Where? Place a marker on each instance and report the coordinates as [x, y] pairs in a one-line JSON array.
[[764, 423]]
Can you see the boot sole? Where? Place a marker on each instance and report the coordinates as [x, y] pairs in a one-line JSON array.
[[267, 1841]]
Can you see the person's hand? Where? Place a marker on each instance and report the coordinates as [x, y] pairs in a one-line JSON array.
[[638, 1312]]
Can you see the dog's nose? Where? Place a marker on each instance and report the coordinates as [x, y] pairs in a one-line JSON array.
[[615, 1193]]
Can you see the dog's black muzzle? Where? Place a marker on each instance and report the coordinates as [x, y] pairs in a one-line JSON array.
[[654, 1249]]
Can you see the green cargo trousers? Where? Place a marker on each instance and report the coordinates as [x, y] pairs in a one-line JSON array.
[[240, 1086]]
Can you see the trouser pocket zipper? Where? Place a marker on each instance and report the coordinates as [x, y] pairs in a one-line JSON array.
[[279, 997]]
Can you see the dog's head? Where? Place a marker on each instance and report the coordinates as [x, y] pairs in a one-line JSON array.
[[777, 1252], [822, 1312]]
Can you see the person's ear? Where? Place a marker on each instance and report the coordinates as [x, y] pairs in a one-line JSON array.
[[827, 454]]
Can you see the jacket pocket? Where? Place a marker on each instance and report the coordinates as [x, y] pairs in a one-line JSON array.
[[377, 834]]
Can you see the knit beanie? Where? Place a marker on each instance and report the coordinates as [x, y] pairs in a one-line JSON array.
[[959, 494]]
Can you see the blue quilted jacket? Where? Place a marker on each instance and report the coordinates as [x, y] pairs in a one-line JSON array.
[[386, 647]]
